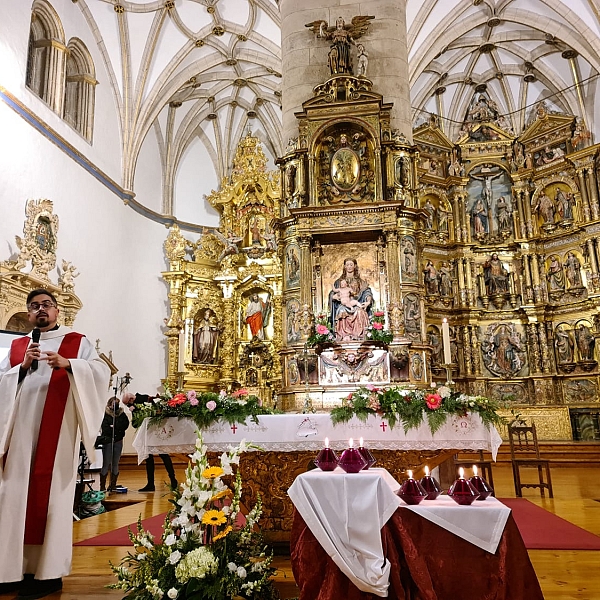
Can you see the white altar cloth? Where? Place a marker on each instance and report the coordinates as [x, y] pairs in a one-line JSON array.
[[345, 513], [296, 432]]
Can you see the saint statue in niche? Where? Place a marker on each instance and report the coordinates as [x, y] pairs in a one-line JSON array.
[[257, 315], [545, 208], [573, 271], [555, 275], [586, 342], [430, 278], [564, 345], [293, 264], [206, 337], [350, 303], [502, 350], [345, 166], [495, 276]]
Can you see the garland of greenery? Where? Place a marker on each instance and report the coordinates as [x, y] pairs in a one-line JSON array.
[[203, 408], [412, 406]]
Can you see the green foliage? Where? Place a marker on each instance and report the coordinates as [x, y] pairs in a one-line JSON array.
[[321, 333], [411, 406], [204, 408]]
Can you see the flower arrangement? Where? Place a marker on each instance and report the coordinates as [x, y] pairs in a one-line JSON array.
[[376, 330], [203, 408], [412, 406], [208, 550], [322, 333]]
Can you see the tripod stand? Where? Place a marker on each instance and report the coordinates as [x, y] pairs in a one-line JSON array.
[[82, 482]]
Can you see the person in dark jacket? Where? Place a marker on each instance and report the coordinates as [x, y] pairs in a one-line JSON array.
[[114, 425], [131, 400]]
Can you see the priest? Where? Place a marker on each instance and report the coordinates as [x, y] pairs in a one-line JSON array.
[[51, 397]]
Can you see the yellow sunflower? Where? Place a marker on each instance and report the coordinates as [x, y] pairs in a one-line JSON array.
[[221, 494], [223, 533], [212, 472], [214, 517]]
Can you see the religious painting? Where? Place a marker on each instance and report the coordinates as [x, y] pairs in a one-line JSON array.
[[350, 288], [434, 339], [292, 266], [345, 169], [205, 337], [360, 366], [490, 203], [416, 367], [408, 258], [581, 391], [504, 350], [508, 392], [293, 372], [291, 321]]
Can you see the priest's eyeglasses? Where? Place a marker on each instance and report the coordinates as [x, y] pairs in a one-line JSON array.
[[37, 306]]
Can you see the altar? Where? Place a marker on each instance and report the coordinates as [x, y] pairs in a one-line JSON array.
[[289, 443]]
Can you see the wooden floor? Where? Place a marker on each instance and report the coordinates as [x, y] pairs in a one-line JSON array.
[[562, 574]]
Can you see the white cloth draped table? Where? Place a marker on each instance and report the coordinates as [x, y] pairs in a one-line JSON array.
[[299, 432]]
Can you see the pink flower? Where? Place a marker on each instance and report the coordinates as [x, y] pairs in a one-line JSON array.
[[240, 392], [191, 394], [374, 402], [379, 313], [371, 387], [377, 325], [194, 401], [211, 405], [433, 401], [322, 329], [222, 393]]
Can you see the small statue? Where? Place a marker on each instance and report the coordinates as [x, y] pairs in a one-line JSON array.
[[67, 277], [362, 62]]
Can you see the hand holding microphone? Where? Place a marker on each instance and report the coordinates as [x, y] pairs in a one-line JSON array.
[[35, 339]]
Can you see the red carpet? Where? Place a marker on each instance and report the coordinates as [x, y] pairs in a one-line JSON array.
[[120, 537], [541, 530]]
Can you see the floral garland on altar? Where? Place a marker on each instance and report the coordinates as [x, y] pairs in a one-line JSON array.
[[412, 406], [208, 550], [203, 408]]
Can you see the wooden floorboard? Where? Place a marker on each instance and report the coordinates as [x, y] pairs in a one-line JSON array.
[[563, 575]]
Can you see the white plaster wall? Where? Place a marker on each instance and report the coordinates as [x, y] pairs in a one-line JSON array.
[[148, 180], [105, 149]]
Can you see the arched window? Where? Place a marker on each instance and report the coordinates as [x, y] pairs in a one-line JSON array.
[[80, 84], [46, 55]]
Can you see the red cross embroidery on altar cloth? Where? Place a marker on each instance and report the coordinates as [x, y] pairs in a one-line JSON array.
[[234, 428], [383, 425]]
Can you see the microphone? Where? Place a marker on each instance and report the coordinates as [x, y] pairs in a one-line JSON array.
[[35, 337]]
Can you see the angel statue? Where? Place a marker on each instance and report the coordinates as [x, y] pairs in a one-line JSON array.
[[67, 277], [341, 36], [230, 243]]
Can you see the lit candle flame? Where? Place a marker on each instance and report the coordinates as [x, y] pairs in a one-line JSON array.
[[409, 474], [350, 443], [461, 473], [475, 470], [326, 442], [361, 443], [426, 471]]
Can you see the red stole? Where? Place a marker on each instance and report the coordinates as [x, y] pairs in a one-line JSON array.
[[40, 478]]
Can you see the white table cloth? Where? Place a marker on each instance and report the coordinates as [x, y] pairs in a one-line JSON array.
[[345, 513], [294, 432]]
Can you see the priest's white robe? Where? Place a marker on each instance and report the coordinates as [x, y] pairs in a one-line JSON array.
[[21, 407]]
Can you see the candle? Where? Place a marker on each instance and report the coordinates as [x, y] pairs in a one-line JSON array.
[[181, 357], [409, 474], [360, 443], [326, 442], [475, 470], [350, 443], [426, 471], [446, 341], [461, 473]]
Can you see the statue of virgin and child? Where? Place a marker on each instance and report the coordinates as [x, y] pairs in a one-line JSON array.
[[350, 304]]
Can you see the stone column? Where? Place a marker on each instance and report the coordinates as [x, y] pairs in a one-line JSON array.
[[304, 57]]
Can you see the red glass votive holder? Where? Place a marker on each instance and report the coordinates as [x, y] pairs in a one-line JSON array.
[[327, 459], [463, 492], [431, 486], [366, 454], [482, 486], [411, 491], [352, 461]]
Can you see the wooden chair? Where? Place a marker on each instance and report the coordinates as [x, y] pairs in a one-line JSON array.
[[484, 466], [525, 453]]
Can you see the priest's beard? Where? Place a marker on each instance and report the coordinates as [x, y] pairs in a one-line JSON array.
[[43, 322]]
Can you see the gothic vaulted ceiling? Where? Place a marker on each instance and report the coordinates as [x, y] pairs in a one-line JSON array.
[[187, 70]]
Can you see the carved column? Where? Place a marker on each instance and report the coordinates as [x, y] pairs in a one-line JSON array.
[[546, 363], [518, 195], [393, 272], [593, 188], [468, 282], [461, 282], [592, 254], [533, 345], [456, 211], [528, 281], [467, 349], [527, 207], [535, 273], [475, 354], [306, 276], [584, 195], [276, 371], [228, 339]]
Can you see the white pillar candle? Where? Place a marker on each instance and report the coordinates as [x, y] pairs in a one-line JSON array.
[[446, 342], [181, 356]]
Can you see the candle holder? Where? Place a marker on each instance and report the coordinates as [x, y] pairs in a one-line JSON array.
[[327, 459], [431, 486], [482, 486], [352, 461], [366, 454], [411, 491], [463, 492]]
